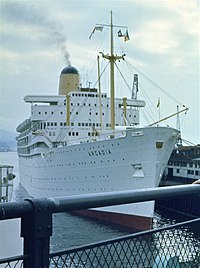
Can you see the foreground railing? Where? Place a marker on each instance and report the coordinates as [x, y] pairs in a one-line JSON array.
[[163, 247]]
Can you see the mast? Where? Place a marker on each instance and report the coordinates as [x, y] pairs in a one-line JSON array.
[[99, 92], [112, 75], [112, 58], [170, 116]]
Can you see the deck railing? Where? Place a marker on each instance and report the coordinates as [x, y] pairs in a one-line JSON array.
[[160, 247]]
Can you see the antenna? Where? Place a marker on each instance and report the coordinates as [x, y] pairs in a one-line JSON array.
[[135, 87]]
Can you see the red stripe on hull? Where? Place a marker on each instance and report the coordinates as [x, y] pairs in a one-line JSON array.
[[123, 221]]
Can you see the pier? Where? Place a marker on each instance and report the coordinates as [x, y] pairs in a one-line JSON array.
[[160, 247]]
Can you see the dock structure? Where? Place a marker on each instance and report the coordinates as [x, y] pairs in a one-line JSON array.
[[6, 182], [162, 247]]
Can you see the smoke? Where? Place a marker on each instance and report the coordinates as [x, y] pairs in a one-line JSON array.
[[66, 55], [50, 30]]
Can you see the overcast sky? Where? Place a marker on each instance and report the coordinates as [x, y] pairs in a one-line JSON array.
[[38, 38]]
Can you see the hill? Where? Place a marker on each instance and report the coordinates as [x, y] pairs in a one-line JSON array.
[[7, 140]]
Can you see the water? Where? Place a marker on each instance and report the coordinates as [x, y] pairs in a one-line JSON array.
[[70, 230]]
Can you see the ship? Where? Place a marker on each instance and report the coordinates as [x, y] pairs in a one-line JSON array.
[[83, 141]]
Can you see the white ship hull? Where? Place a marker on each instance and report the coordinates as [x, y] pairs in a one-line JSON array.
[[135, 161]]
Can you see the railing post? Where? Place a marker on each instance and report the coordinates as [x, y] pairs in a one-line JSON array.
[[36, 229]]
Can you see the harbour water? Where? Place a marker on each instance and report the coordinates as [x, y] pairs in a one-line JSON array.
[[70, 230]]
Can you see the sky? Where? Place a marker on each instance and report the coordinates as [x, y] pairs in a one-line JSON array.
[[39, 38]]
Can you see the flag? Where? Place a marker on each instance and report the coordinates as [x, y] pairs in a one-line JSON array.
[[96, 28], [126, 36], [119, 33], [158, 104]]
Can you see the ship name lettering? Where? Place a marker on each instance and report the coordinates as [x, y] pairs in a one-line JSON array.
[[99, 152]]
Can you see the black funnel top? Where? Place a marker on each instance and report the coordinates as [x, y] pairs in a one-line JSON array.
[[69, 70]]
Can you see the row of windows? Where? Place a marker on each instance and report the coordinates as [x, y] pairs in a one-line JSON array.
[[47, 112], [75, 133], [190, 172], [78, 104], [74, 190], [183, 164], [193, 172], [87, 95], [89, 104], [70, 178], [64, 124], [83, 163]]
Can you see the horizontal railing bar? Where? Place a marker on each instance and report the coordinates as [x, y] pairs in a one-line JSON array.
[[11, 210], [14, 259], [121, 197], [78, 202]]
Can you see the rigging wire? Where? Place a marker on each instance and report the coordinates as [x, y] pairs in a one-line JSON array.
[[122, 76], [155, 84], [101, 74], [189, 143]]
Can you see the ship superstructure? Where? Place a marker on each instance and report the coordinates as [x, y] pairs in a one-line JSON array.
[[81, 141]]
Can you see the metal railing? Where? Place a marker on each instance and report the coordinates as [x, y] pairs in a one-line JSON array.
[[160, 247]]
